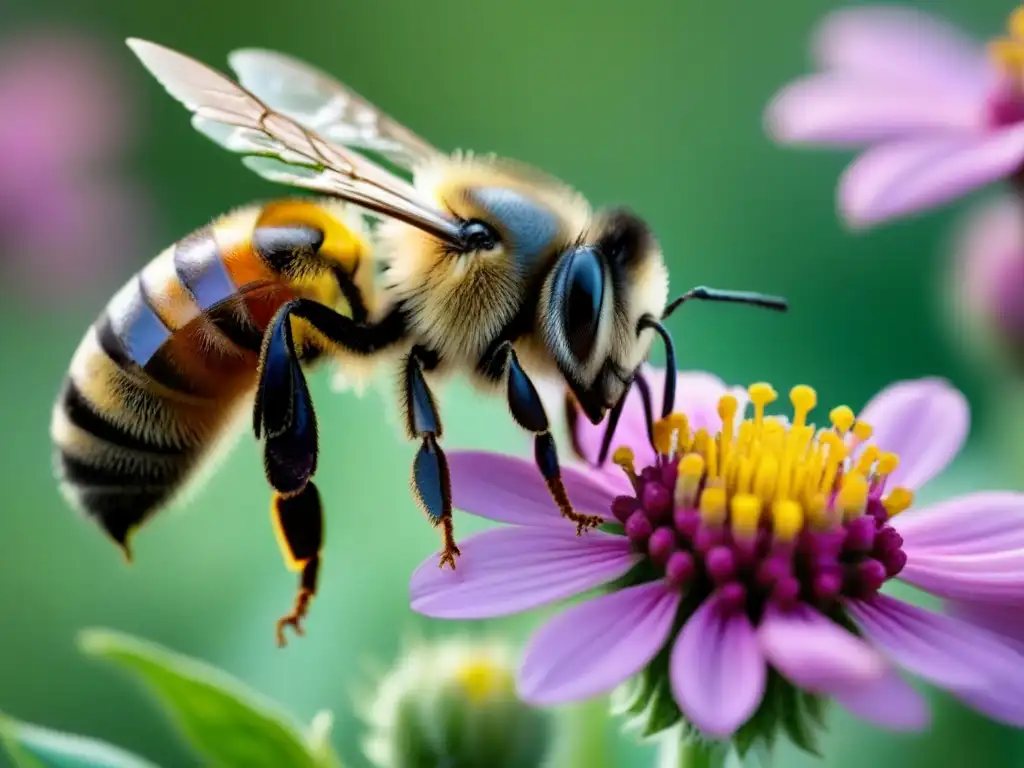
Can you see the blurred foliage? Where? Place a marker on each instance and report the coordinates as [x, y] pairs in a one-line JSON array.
[[656, 104]]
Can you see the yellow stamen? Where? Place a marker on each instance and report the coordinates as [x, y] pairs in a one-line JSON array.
[[804, 400], [663, 437], [624, 458], [681, 428], [853, 495], [787, 519], [842, 419], [790, 473], [713, 506], [482, 679], [746, 515], [690, 471], [887, 464], [867, 460], [898, 500], [862, 431]]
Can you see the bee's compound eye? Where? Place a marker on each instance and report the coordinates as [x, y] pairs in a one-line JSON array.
[[479, 236]]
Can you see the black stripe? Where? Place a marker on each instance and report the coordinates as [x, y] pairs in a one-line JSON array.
[[159, 367], [119, 511], [111, 343], [142, 473], [84, 415]]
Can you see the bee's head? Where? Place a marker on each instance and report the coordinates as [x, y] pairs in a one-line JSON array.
[[591, 308]]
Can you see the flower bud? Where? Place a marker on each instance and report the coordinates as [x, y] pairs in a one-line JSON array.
[[454, 704]]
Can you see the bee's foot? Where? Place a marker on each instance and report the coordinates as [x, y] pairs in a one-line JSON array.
[[294, 619], [586, 523], [448, 556]]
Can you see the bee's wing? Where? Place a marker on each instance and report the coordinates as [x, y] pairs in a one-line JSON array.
[[283, 150], [330, 108]]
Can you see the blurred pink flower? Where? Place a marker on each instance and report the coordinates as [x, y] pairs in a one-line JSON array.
[[66, 215], [753, 560], [988, 275], [939, 115]]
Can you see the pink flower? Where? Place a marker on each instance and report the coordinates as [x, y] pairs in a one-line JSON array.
[[988, 277], [64, 217], [937, 114], [745, 557]]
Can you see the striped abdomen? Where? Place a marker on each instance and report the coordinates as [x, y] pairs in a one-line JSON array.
[[161, 375]]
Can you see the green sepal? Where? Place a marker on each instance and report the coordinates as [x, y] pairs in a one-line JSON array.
[[613, 527], [784, 708], [31, 746], [224, 723]]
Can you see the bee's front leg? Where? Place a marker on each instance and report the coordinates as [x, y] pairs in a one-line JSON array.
[[528, 412], [431, 480]]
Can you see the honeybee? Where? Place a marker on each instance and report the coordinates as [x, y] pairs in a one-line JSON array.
[[488, 267]]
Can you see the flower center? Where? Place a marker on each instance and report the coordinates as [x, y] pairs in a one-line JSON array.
[[1006, 105], [767, 509], [482, 678]]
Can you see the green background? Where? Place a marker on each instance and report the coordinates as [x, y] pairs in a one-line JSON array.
[[651, 103]]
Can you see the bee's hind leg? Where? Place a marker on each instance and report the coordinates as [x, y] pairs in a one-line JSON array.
[[528, 412], [284, 417], [431, 480]]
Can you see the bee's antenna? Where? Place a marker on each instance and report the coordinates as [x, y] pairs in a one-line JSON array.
[[704, 293], [669, 401]]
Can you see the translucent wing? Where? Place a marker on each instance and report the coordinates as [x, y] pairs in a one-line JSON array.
[[330, 108], [283, 150]]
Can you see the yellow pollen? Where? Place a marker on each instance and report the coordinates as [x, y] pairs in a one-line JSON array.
[[690, 471], [1008, 52], [746, 515], [713, 506], [784, 476], [898, 500], [663, 437], [804, 400], [787, 519], [867, 460], [862, 431], [481, 679], [887, 464], [853, 495], [842, 418], [624, 458], [681, 429]]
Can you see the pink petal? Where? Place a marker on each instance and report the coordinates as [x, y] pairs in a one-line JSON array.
[[924, 422], [1007, 621], [945, 651], [509, 570], [850, 110], [902, 45], [511, 490], [888, 702], [986, 523], [718, 671], [985, 578], [591, 648], [900, 178], [815, 653]]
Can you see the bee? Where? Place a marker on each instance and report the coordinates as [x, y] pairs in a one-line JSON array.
[[488, 267]]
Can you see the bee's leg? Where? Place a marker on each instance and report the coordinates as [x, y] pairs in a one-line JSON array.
[[431, 480], [528, 412], [299, 525], [285, 417]]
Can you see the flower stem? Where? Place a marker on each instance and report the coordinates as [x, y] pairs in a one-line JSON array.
[[678, 751], [584, 740]]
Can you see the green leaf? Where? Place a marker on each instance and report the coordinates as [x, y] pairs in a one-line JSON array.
[[31, 746], [225, 723]]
